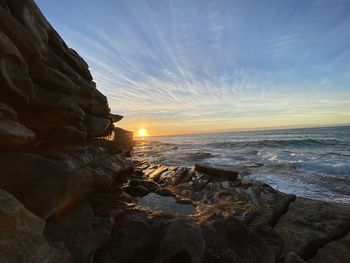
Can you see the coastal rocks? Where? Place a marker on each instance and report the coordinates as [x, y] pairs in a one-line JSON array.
[[48, 86], [137, 190], [69, 175], [123, 138], [22, 237], [292, 229], [314, 224], [115, 117], [309, 225], [81, 232], [135, 237], [13, 134], [335, 251], [230, 240], [217, 172], [182, 242]]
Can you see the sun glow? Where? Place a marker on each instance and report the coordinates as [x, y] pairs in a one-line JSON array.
[[142, 133]]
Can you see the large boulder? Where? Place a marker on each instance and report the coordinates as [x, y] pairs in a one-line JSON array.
[[66, 176], [309, 225], [81, 232], [22, 239]]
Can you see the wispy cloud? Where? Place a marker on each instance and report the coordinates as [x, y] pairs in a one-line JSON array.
[[215, 63]]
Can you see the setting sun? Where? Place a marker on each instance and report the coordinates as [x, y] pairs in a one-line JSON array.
[[142, 133]]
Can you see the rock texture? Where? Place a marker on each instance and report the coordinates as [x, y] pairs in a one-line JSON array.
[[22, 238], [71, 192], [54, 156], [47, 90]]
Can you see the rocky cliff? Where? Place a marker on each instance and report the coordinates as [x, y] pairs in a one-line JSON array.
[[52, 157], [69, 194], [47, 93]]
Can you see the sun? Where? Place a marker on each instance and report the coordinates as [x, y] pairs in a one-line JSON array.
[[142, 132]]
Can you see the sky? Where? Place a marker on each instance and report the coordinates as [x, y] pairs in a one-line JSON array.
[[188, 66]]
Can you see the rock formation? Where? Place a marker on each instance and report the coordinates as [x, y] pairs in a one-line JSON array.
[[71, 193], [52, 157]]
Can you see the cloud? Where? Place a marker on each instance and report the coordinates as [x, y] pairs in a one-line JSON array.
[[213, 62]]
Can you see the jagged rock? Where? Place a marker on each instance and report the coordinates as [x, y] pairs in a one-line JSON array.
[[96, 126], [309, 225], [60, 182], [116, 117], [45, 82], [43, 185], [22, 237], [124, 138], [156, 173], [81, 232], [217, 172]]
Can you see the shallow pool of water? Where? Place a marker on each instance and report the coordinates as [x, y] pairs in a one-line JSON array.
[[166, 204]]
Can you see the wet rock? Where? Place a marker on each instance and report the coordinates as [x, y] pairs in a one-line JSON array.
[[166, 204], [155, 175], [202, 181], [309, 225], [150, 185], [180, 175], [216, 172], [22, 237]]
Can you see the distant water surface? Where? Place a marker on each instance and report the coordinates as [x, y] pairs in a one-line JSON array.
[[312, 162]]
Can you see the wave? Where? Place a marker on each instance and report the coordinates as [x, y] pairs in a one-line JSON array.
[[198, 156], [275, 143]]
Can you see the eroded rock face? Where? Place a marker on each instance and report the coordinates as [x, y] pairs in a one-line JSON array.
[[22, 237], [309, 225], [244, 221], [60, 177], [44, 82], [81, 232]]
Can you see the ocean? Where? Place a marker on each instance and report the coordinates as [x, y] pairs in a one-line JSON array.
[[310, 162]]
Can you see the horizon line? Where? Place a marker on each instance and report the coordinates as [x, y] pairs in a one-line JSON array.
[[276, 128]]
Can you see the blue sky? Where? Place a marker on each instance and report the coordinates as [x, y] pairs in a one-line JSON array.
[[203, 65]]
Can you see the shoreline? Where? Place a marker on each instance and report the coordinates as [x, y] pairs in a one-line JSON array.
[[215, 192], [70, 191]]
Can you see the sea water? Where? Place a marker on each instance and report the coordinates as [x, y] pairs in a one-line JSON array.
[[312, 162]]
